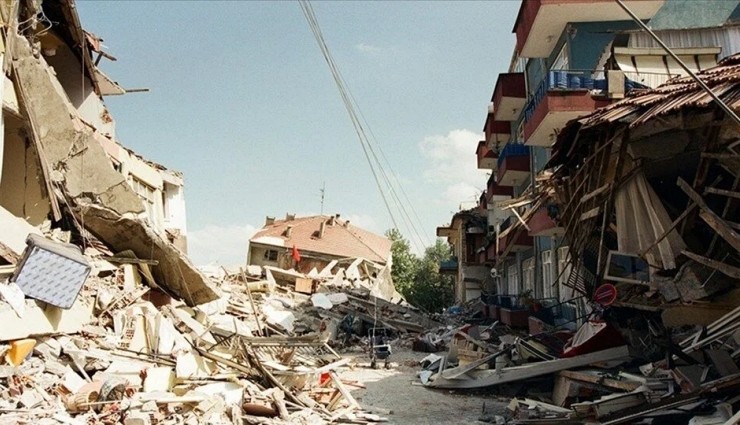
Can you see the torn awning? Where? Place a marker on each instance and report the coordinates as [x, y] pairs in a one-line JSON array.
[[653, 66]]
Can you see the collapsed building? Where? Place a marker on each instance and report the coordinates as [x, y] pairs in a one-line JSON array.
[[611, 234], [62, 165]]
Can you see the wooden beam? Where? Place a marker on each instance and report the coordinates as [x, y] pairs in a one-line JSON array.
[[524, 223], [710, 217], [719, 226], [721, 267], [596, 192], [730, 193], [719, 155], [590, 214], [598, 378], [489, 378]]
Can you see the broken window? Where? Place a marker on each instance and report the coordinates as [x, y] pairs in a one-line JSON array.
[[147, 194], [271, 255]]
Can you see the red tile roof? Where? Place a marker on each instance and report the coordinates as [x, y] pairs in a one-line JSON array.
[[340, 239]]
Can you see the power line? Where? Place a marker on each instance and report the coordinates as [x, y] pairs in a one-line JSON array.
[[367, 148]]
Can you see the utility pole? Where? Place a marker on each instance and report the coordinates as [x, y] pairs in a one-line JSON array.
[[323, 193]]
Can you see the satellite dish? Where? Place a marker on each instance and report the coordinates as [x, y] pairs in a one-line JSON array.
[[494, 272]]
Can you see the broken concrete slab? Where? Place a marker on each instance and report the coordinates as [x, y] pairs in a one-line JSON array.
[[99, 195], [15, 231], [174, 272], [43, 319]]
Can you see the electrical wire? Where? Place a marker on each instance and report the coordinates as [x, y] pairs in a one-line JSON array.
[[369, 151]]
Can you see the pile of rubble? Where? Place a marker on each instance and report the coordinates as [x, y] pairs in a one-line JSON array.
[[90, 336], [593, 375]]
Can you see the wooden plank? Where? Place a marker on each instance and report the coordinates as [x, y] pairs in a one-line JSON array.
[[719, 155], [730, 193], [723, 268], [726, 232], [593, 378], [524, 223], [723, 362], [462, 370], [353, 404], [489, 378], [590, 214], [596, 192], [710, 217], [260, 331]]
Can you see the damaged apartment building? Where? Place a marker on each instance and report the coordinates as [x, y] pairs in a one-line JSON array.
[[315, 242], [570, 60], [62, 166]]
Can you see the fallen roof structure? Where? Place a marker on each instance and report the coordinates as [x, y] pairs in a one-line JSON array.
[[655, 176]]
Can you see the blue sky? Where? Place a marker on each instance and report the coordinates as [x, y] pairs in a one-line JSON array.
[[242, 102]]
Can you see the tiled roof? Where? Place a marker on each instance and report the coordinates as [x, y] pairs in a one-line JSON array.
[[340, 239]]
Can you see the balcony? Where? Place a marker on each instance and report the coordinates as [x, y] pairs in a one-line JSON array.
[[515, 239], [540, 23], [497, 132], [513, 165], [509, 96], [522, 242], [496, 192], [561, 97], [487, 158], [448, 266], [541, 224]]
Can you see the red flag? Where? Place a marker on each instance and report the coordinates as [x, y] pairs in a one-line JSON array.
[[295, 254]]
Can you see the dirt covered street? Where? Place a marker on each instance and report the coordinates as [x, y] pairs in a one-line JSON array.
[[399, 391]]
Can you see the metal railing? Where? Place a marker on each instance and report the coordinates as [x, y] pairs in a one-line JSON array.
[[512, 149]]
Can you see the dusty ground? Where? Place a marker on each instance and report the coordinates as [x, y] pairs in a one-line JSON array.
[[410, 404]]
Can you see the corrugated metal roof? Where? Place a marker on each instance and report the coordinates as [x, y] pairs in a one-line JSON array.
[[681, 93]]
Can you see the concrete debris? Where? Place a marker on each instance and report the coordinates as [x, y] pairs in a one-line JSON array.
[[693, 378], [139, 361]]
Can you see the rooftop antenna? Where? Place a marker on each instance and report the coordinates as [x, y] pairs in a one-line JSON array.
[[323, 192]]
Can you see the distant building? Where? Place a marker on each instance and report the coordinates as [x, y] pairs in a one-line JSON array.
[[318, 240]]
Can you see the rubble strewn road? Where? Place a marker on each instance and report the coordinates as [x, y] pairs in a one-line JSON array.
[[398, 390]]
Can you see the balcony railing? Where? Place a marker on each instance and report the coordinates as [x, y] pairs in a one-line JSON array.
[[566, 80], [563, 80], [511, 150]]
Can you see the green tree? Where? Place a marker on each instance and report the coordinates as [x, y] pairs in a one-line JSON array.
[[432, 291], [418, 279], [405, 263]]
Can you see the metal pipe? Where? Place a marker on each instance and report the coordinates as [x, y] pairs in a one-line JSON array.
[[698, 80]]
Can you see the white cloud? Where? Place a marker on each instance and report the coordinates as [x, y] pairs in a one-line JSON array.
[[226, 245], [452, 163], [461, 194], [368, 48], [364, 221]]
